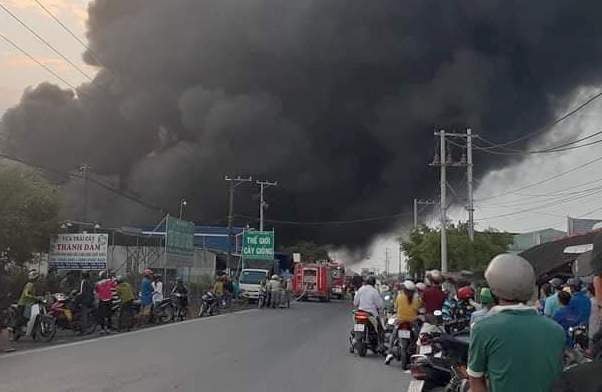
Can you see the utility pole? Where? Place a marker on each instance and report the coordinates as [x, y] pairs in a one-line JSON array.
[[387, 262], [443, 203], [84, 172], [419, 202], [470, 206], [443, 162], [262, 203], [233, 182]]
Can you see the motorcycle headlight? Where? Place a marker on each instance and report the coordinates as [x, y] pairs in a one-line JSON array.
[[387, 297]]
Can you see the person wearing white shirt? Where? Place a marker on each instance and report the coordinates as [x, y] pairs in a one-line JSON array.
[[157, 289], [368, 299]]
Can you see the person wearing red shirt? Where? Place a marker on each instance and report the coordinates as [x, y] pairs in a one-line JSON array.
[[104, 291], [433, 296]]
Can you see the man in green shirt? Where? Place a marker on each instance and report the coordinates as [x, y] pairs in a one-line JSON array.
[[514, 348], [27, 298]]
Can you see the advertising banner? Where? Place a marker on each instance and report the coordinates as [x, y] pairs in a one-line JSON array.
[[79, 251]]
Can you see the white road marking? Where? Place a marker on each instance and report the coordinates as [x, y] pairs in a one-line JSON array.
[[119, 335]]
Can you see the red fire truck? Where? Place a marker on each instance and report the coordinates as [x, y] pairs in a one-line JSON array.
[[312, 281], [337, 280]]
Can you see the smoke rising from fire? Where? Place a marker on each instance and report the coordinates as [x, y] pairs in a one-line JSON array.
[[337, 100]]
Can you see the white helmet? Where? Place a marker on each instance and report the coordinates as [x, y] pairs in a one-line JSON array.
[[275, 277], [420, 286], [33, 274], [510, 277], [409, 285], [435, 276]]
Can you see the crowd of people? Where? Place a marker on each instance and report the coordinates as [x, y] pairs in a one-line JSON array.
[[518, 341]]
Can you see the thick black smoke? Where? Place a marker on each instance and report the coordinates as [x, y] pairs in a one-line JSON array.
[[337, 100]]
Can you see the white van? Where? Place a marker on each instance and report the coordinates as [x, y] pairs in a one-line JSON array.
[[250, 282]]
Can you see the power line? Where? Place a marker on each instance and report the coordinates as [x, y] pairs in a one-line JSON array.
[[45, 42], [68, 30], [544, 180], [47, 68], [550, 124], [333, 222], [554, 203]]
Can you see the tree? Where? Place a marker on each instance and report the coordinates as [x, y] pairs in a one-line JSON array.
[[310, 251], [29, 214], [423, 248]]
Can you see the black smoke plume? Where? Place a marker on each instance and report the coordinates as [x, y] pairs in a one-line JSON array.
[[337, 100]]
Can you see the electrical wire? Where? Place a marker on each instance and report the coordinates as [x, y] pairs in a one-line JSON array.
[[550, 124], [93, 55], [45, 42], [333, 222], [46, 67], [588, 163]]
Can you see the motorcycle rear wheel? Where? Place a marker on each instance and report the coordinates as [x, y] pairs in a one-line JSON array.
[[362, 348], [202, 310]]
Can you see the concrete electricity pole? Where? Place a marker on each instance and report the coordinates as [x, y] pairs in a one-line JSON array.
[[234, 182], [84, 172], [470, 206], [262, 203], [443, 202], [443, 162]]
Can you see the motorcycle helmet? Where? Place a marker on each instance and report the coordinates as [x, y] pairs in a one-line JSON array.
[[420, 286], [435, 276], [275, 277], [409, 285], [575, 284], [465, 293], [33, 275], [485, 296], [120, 279], [371, 280], [102, 275], [510, 277], [556, 283]]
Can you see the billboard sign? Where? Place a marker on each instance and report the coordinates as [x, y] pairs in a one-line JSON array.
[[180, 237], [79, 251], [258, 245]]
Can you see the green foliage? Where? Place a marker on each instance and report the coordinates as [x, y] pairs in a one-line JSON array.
[[29, 214], [310, 251], [423, 248]]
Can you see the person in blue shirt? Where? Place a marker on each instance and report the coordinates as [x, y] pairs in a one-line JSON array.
[[580, 302], [551, 304], [566, 316], [146, 295]]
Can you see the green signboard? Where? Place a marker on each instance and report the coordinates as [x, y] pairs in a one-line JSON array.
[[258, 245], [180, 237]]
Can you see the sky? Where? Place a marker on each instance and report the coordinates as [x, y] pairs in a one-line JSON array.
[[505, 199], [16, 70]]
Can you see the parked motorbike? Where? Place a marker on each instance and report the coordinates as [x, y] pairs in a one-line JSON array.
[[163, 311], [364, 335], [262, 299], [209, 304], [444, 370], [67, 316], [180, 303], [41, 326]]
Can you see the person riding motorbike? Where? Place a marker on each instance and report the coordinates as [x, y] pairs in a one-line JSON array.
[[580, 303], [181, 289], [514, 347], [433, 296], [551, 304], [146, 295], [407, 305], [368, 299], [27, 298]]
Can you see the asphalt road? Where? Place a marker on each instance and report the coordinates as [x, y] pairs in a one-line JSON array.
[[301, 349]]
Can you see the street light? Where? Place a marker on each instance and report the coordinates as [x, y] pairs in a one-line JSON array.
[[183, 203]]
